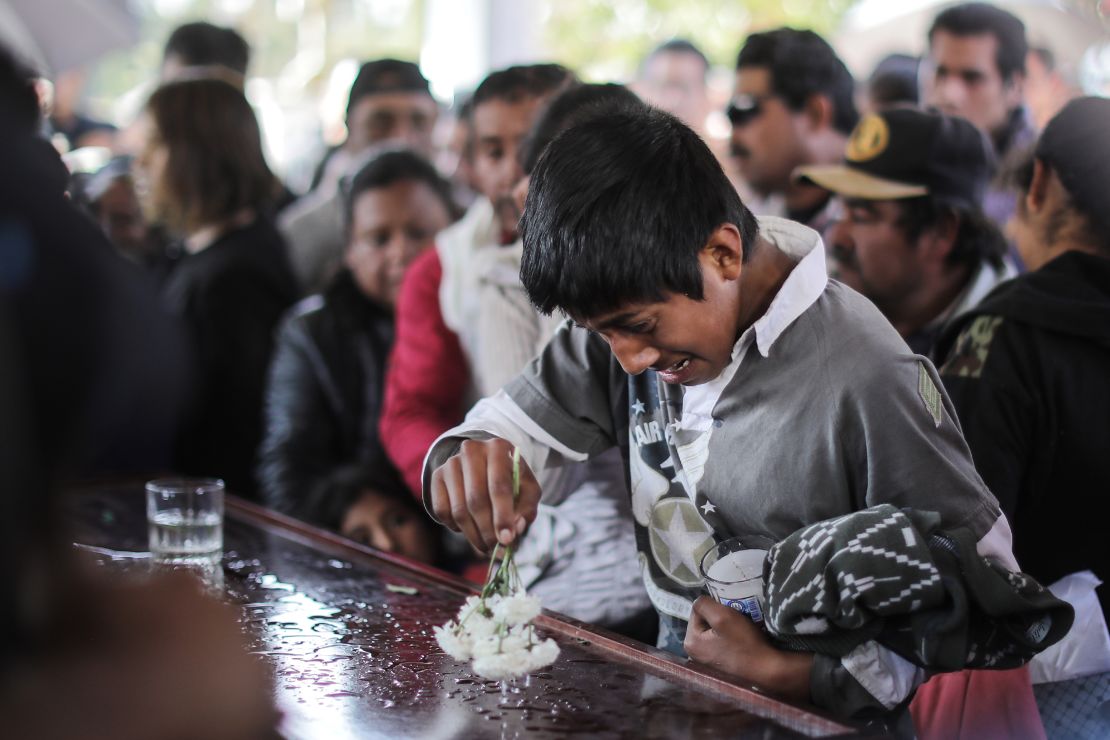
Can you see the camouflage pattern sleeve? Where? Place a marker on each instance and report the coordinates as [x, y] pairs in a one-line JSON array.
[[992, 384]]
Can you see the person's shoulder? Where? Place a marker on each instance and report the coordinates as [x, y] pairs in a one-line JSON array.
[[973, 344], [849, 331], [423, 274]]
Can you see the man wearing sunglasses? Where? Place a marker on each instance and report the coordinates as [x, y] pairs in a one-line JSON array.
[[792, 106]]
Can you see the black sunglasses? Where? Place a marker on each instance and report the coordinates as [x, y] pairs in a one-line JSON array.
[[744, 109]]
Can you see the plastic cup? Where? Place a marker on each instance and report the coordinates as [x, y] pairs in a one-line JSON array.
[[733, 574]]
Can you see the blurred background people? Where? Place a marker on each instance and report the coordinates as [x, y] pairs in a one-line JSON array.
[[893, 82], [912, 235], [430, 383], [673, 77], [793, 105], [202, 47], [203, 176], [389, 103], [1048, 85], [1027, 372], [68, 119], [109, 196], [327, 378], [90, 364], [976, 70]]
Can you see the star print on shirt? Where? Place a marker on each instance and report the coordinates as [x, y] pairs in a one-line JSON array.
[[708, 508], [679, 537], [638, 407]]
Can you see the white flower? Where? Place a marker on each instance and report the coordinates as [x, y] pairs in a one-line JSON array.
[[455, 642], [501, 666], [542, 655], [472, 604], [480, 627], [513, 639], [519, 608]]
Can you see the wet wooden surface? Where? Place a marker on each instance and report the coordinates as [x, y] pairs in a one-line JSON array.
[[352, 658]]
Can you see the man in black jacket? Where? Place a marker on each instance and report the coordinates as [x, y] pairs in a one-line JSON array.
[[325, 386], [1028, 370]]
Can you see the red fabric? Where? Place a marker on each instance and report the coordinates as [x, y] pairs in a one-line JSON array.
[[977, 705], [427, 376]]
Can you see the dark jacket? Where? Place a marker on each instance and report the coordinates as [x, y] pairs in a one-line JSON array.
[[324, 399], [231, 296], [1029, 374]]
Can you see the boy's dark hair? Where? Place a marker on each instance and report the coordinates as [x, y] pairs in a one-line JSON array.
[[802, 64], [976, 19], [204, 44], [394, 166], [521, 82], [19, 103], [386, 76], [978, 239], [619, 207], [676, 46], [571, 106]]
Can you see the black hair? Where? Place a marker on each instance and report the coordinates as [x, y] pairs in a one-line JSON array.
[[978, 239], [518, 83], [394, 166], [619, 207], [386, 76], [203, 44], [894, 81], [976, 19], [19, 103], [337, 491], [676, 46], [802, 64], [1018, 176], [573, 105]]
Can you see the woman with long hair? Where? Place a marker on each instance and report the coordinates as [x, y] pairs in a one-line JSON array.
[[202, 174]]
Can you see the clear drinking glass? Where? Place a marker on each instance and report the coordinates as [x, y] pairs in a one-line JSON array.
[[733, 573], [185, 519]]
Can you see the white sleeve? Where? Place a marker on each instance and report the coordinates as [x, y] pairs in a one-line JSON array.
[[500, 416]]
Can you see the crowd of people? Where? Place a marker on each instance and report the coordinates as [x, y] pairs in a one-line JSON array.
[[892, 291]]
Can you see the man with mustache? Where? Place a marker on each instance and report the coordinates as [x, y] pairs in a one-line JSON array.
[[792, 106], [912, 235]]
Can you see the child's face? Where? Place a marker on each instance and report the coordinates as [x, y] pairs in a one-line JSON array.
[[686, 341], [384, 522], [499, 129]]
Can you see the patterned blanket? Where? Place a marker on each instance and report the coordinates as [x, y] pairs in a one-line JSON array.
[[896, 577]]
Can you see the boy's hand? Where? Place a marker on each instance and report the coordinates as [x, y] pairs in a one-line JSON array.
[[729, 641], [473, 493]]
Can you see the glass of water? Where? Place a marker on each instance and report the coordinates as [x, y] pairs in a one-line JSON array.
[[185, 519]]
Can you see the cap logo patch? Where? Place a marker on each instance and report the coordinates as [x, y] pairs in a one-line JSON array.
[[868, 140]]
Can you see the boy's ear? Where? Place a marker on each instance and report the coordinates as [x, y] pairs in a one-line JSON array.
[[724, 252]]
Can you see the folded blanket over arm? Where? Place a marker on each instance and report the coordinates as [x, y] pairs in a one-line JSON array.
[[894, 576]]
